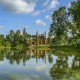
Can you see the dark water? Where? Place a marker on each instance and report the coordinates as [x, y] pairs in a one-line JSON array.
[[39, 65]]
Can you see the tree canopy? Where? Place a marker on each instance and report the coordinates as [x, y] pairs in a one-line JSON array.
[[65, 27]]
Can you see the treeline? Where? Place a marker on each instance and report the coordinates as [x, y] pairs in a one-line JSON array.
[[64, 30], [65, 27], [15, 39]]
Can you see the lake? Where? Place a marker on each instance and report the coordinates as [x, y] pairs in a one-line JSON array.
[[37, 64]]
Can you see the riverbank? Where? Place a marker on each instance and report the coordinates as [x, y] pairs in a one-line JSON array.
[[16, 47], [47, 46], [59, 47]]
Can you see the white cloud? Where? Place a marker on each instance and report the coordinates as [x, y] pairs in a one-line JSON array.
[[50, 5], [18, 6], [40, 22], [46, 3], [53, 4], [28, 6], [36, 13], [48, 17]]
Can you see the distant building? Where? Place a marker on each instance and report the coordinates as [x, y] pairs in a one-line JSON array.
[[38, 39]]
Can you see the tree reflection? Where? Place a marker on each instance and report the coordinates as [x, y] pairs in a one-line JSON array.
[[3, 53], [61, 68], [22, 56], [58, 70], [50, 57], [18, 56], [76, 62]]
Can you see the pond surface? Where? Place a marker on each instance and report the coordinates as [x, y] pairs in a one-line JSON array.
[[39, 65]]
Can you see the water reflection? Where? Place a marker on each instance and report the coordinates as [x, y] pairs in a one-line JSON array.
[[58, 64], [24, 56], [66, 66]]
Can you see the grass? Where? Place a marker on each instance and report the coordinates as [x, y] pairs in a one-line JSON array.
[[46, 47], [43, 46], [18, 47], [66, 47]]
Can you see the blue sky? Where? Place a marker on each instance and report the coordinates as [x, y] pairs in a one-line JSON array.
[[32, 14]]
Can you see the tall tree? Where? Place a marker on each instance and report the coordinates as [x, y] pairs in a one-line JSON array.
[[24, 31], [74, 12], [59, 26], [1, 39], [10, 37]]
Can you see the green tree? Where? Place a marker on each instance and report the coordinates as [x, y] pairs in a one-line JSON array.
[[17, 38], [10, 37], [59, 27], [24, 31], [1, 39], [74, 12]]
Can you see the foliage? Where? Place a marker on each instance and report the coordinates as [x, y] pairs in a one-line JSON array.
[[59, 26], [65, 27], [13, 39]]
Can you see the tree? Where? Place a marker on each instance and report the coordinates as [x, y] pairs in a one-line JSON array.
[[59, 26], [74, 12], [1, 39], [10, 37], [24, 31], [17, 38]]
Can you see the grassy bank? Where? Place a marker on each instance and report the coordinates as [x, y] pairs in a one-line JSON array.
[[47, 46], [66, 47], [43, 46], [16, 47], [59, 47]]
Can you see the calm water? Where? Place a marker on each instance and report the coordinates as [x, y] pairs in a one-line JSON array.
[[39, 64]]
